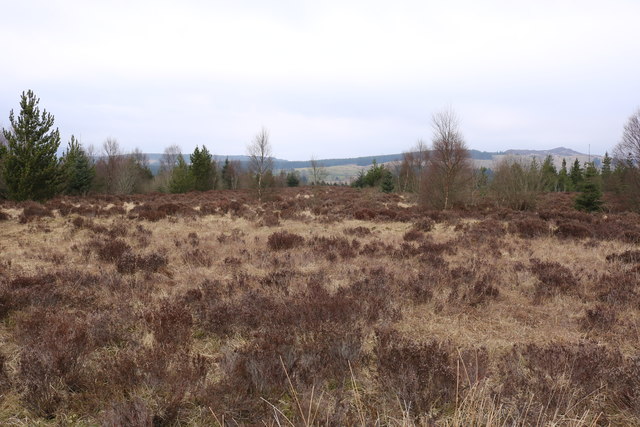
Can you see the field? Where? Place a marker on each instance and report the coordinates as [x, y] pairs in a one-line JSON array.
[[321, 306]]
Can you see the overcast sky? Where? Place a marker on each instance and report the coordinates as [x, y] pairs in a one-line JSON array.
[[331, 78]]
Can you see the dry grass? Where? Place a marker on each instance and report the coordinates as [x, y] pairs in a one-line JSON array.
[[208, 308]]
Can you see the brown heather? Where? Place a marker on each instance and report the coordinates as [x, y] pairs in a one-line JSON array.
[[318, 306]]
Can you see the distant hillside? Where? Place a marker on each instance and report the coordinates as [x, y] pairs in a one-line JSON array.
[[344, 170], [560, 151]]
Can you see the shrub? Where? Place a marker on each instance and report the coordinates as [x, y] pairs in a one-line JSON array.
[[627, 257], [197, 258], [270, 219], [424, 224], [412, 235], [364, 214], [129, 263], [553, 278], [569, 229], [529, 227], [599, 317], [128, 413], [421, 374], [112, 250], [32, 210], [359, 231], [283, 240]]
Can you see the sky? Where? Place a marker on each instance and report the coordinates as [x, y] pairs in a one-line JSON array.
[[329, 79]]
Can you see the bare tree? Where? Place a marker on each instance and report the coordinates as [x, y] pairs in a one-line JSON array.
[[449, 171], [411, 169], [516, 183], [168, 162], [318, 171], [260, 160], [628, 149], [169, 158], [627, 158], [108, 168]]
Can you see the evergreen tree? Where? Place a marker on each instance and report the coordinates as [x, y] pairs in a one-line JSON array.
[[227, 174], [31, 168], [293, 179], [564, 182], [374, 174], [386, 183], [77, 169], [549, 174], [3, 154], [576, 175], [181, 178], [359, 182], [590, 197], [606, 172], [202, 169]]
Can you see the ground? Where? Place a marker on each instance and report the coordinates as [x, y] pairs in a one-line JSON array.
[[317, 306]]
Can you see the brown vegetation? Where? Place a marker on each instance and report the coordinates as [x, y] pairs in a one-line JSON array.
[[323, 306]]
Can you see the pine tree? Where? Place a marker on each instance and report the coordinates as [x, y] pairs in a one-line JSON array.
[[227, 175], [202, 169], [293, 179], [590, 197], [576, 175], [374, 174], [606, 172], [31, 168], [181, 178], [3, 154], [386, 183], [78, 172], [564, 182], [549, 174]]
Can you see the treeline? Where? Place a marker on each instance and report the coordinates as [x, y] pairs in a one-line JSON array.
[[31, 170], [441, 176]]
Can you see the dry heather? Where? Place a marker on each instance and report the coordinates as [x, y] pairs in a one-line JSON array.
[[326, 306]]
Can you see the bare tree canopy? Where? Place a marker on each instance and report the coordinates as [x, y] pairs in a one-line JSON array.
[[516, 183], [169, 158], [260, 160], [412, 167], [318, 171], [449, 169], [628, 149]]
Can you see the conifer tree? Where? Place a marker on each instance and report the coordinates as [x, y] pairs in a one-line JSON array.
[[226, 174], [590, 197], [386, 183], [549, 174], [293, 179], [3, 154], [181, 178], [564, 182], [31, 168], [77, 169], [606, 172], [576, 175], [202, 169]]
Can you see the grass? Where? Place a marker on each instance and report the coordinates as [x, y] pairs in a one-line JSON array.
[[210, 308]]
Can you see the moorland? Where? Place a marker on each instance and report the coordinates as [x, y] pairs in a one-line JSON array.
[[316, 306]]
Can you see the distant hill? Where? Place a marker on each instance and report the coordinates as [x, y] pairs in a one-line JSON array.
[[345, 169], [560, 151]]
